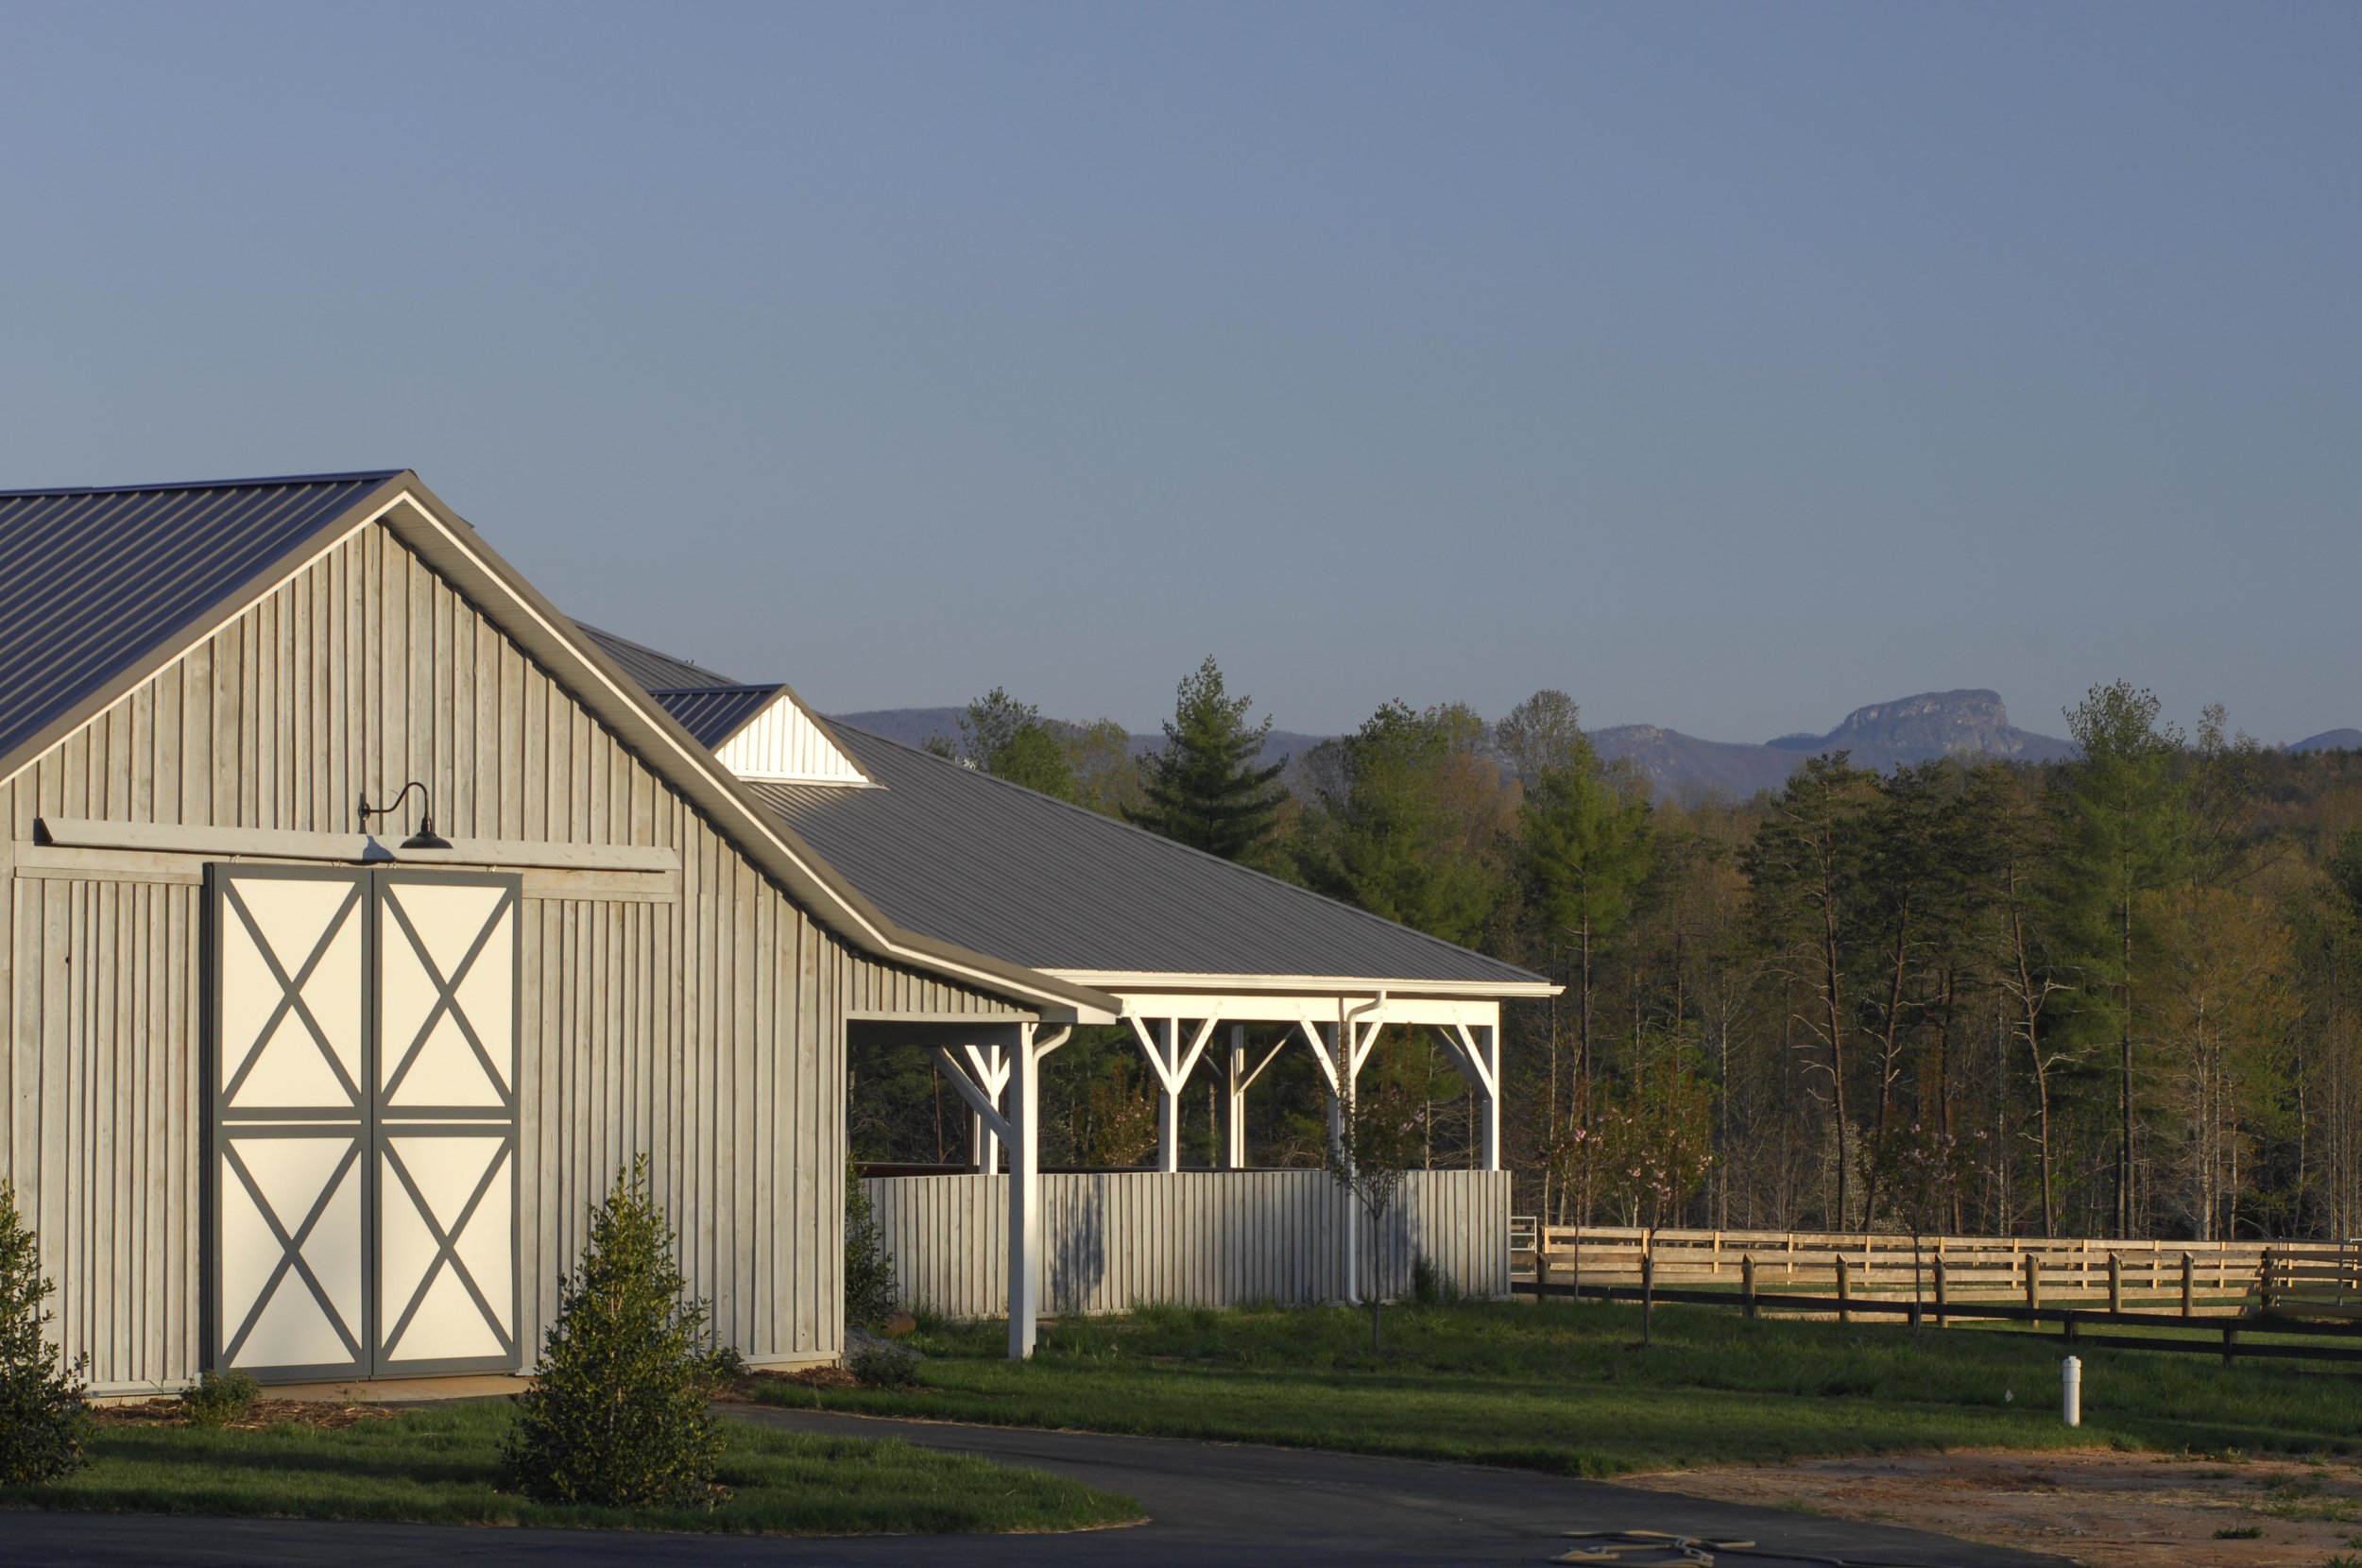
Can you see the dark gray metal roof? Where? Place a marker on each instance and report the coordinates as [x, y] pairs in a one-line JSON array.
[[657, 672], [715, 713], [968, 858], [94, 580]]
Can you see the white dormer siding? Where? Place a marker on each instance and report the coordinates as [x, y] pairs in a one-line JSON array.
[[783, 743]]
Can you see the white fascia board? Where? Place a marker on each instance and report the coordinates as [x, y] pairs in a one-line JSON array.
[[1125, 982], [1311, 1008]]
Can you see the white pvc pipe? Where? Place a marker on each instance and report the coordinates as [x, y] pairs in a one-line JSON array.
[[2071, 1391]]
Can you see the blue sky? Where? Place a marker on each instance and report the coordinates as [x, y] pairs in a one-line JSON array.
[[1727, 367]]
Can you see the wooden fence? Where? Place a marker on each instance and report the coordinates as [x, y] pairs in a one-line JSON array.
[[2187, 1278], [1113, 1240]]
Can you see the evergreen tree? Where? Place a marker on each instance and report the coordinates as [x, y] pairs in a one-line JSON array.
[[1009, 739], [2127, 834], [1583, 849], [868, 1267], [617, 1414], [1204, 788], [40, 1399], [1387, 831]]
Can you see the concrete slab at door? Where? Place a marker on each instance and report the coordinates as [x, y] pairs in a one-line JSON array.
[[288, 1180]]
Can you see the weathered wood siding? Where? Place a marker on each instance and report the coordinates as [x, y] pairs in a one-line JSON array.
[[1113, 1240], [706, 1032]]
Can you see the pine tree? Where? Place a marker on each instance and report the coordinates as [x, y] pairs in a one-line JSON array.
[[40, 1399], [1204, 788], [617, 1414]]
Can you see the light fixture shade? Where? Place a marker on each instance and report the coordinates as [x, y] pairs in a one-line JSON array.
[[425, 838]]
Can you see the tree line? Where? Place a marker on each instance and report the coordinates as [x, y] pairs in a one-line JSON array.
[[2118, 995]]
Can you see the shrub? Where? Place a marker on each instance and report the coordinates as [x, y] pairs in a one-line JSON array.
[[41, 1398], [868, 1267], [617, 1415], [882, 1364], [220, 1398]]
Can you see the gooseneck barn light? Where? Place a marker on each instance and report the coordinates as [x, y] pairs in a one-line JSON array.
[[425, 838]]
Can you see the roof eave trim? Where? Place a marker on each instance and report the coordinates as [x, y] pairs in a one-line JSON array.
[[1126, 980]]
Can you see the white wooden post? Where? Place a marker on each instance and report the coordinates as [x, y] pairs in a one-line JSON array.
[[1335, 1044], [1233, 1120], [1169, 1095], [981, 1139], [1488, 1040], [1025, 1196]]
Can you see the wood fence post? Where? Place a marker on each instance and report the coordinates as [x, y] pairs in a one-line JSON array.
[[1647, 1297], [1747, 1282], [1941, 1282], [2115, 1283], [2189, 1285], [1844, 1296], [1541, 1272], [2263, 1282], [2033, 1289], [2229, 1340]]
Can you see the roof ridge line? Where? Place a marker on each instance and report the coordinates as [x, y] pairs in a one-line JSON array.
[[353, 477]]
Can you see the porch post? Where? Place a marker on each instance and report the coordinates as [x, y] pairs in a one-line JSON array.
[[1336, 1040], [980, 1141], [1169, 1095], [1487, 1041], [1234, 1120], [1024, 1120]]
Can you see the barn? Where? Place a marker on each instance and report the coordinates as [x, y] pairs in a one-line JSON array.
[[365, 912]]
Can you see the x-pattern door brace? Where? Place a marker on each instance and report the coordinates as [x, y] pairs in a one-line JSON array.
[[447, 999], [290, 1252], [291, 992], [446, 1248]]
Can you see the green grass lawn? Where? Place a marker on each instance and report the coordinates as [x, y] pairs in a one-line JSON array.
[[1562, 1387], [439, 1466]]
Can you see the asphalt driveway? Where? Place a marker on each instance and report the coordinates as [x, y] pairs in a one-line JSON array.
[[1211, 1506]]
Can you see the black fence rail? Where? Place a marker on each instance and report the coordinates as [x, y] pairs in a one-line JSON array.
[[2222, 1336]]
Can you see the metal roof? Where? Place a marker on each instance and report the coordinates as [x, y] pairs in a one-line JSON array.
[[657, 672], [973, 860], [92, 581], [715, 713]]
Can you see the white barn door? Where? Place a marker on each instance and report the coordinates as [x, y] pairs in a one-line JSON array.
[[446, 1113], [290, 1173], [362, 1179]]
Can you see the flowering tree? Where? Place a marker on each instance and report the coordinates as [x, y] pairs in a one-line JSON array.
[[1657, 1138]]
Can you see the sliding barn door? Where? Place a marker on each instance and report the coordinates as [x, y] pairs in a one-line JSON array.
[[446, 1104], [363, 1169], [290, 1172]]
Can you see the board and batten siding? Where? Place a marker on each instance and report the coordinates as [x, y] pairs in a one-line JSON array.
[[1114, 1240], [704, 1031]]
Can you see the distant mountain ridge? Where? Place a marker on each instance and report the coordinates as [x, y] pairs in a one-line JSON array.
[[1967, 723]]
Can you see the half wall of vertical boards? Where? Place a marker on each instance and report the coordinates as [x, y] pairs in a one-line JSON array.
[[694, 1015], [1113, 1240]]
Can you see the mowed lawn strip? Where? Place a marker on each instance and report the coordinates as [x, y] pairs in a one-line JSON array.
[[1564, 1388], [441, 1466]]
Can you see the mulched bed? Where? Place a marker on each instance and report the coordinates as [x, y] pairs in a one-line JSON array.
[[803, 1377], [325, 1415]]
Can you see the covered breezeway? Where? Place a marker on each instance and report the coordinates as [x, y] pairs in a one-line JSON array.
[[1213, 968]]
